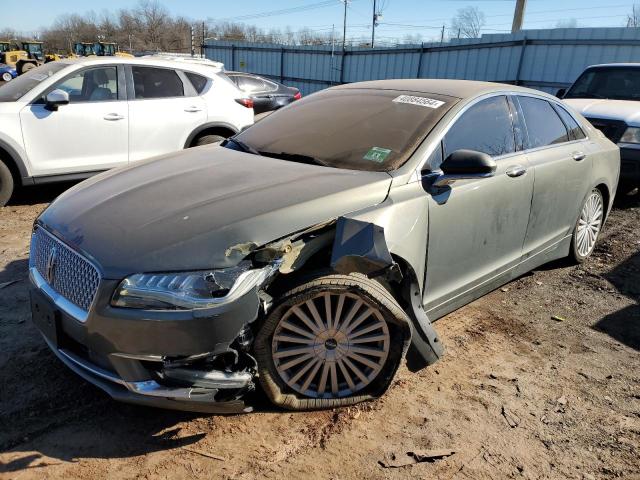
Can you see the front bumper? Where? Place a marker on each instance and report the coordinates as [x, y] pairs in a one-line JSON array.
[[629, 163], [123, 351]]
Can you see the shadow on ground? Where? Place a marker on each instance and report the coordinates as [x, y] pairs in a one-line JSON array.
[[36, 194]]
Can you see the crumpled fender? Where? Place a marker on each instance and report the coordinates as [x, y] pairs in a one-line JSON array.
[[361, 247]]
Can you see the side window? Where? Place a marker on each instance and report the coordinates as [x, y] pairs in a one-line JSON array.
[[92, 85], [251, 84], [150, 82], [543, 123], [575, 131], [486, 127], [198, 81]]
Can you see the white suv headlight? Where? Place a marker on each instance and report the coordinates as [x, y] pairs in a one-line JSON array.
[[631, 135], [189, 290]]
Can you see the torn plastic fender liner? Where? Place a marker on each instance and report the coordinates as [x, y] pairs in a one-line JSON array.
[[361, 247]]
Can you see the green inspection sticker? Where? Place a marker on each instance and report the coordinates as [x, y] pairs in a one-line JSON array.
[[377, 154]]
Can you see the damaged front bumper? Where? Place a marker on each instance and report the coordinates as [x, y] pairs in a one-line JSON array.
[[194, 360]]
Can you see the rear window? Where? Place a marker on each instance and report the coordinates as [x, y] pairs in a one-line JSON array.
[[149, 82], [198, 81], [358, 129], [543, 124], [20, 86]]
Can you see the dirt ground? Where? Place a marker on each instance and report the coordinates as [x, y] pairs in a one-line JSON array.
[[518, 394]]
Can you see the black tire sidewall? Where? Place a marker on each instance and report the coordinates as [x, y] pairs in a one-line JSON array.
[[6, 184], [575, 255], [273, 385]]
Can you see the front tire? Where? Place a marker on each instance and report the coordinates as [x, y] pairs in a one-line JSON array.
[[6, 184], [588, 227], [333, 341]]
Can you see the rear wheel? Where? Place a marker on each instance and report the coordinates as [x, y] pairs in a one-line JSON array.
[[6, 184], [207, 140], [7, 77], [26, 67], [588, 226], [336, 340]]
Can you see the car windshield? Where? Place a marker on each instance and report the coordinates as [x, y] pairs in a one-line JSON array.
[[356, 129], [17, 88], [615, 83]]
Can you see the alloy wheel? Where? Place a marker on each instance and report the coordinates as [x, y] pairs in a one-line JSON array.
[[331, 345], [589, 224]]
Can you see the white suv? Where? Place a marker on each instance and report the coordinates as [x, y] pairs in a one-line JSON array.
[[74, 118]]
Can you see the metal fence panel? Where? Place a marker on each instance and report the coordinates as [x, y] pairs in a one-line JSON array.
[[543, 59]]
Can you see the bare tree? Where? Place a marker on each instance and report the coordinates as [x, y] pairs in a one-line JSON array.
[[568, 23], [633, 18], [468, 23]]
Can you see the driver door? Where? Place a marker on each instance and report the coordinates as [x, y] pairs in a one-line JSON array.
[[88, 134], [477, 227]]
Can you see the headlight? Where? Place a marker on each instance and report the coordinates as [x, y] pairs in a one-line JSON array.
[[189, 290], [631, 135]]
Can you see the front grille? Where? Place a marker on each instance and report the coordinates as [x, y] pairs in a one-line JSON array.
[[73, 276], [612, 129]]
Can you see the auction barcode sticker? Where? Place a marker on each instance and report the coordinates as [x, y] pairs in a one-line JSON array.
[[422, 101]]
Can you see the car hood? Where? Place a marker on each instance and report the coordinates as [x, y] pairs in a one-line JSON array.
[[186, 211], [625, 110]]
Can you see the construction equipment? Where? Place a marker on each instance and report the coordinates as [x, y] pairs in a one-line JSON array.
[[23, 55], [100, 49]]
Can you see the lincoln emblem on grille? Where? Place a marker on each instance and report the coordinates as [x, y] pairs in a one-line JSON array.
[[51, 265]]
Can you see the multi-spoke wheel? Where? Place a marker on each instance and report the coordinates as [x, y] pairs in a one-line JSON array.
[[336, 340], [588, 227]]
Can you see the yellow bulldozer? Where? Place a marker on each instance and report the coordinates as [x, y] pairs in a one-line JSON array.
[[24, 55]]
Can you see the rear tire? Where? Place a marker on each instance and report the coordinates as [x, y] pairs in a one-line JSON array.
[[26, 67], [207, 140], [350, 334], [7, 77], [6, 184], [588, 227]]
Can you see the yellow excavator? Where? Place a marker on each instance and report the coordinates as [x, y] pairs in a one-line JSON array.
[[24, 55]]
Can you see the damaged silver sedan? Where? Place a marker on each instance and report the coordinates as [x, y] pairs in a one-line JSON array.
[[310, 254]]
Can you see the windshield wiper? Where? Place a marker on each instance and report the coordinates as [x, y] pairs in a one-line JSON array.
[[245, 148], [295, 157]]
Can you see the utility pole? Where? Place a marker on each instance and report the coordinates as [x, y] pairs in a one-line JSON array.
[[442, 35], [518, 16], [373, 24], [193, 42], [344, 33], [203, 38]]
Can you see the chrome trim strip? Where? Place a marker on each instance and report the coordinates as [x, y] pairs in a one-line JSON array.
[[97, 371], [61, 302]]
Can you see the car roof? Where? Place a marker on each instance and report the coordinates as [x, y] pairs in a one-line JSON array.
[[449, 87], [204, 68], [605, 65]]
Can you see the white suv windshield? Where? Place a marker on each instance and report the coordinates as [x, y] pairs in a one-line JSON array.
[[17, 88], [615, 83]]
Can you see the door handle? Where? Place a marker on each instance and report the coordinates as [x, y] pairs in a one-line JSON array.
[[192, 109], [113, 116], [579, 156], [516, 171]]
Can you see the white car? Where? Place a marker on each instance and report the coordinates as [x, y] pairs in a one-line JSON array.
[[74, 118], [609, 97]]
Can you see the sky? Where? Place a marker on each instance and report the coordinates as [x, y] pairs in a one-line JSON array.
[[400, 17]]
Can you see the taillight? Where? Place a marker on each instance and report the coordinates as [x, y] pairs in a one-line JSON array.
[[245, 102], [297, 96]]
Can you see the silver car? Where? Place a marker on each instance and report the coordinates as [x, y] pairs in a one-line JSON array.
[[311, 253]]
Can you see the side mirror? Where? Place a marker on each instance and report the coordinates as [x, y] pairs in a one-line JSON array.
[[55, 98], [465, 165], [560, 93]]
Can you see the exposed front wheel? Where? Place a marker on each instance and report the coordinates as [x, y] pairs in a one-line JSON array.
[[588, 226], [336, 340]]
